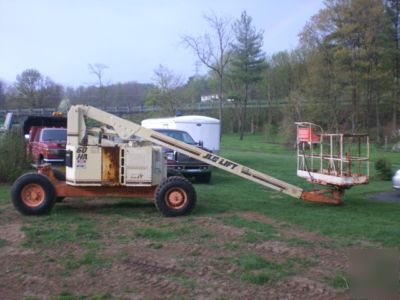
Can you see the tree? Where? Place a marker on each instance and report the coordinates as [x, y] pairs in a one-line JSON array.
[[195, 87], [2, 95], [98, 71], [393, 15], [34, 90], [248, 62], [213, 51], [28, 86], [119, 94], [167, 93], [347, 76]]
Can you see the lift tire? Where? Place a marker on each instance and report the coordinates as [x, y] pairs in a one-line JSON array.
[[204, 178], [33, 194], [175, 196], [60, 176]]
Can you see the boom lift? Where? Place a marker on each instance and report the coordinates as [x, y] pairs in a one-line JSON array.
[[98, 167]]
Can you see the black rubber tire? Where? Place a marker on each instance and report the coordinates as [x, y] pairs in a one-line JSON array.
[[204, 178], [49, 194], [60, 176], [172, 172], [169, 185]]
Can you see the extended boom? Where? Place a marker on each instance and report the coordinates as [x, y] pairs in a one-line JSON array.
[[125, 129]]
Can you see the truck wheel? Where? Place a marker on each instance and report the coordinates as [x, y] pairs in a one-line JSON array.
[[204, 178], [60, 176], [33, 194], [175, 196]]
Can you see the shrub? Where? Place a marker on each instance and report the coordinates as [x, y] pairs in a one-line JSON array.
[[383, 168], [13, 160]]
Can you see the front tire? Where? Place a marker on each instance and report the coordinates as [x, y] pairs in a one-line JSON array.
[[33, 194], [175, 196]]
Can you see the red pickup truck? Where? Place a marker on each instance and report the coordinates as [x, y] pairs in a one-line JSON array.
[[46, 139]]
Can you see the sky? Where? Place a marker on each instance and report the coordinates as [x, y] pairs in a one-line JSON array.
[[131, 37]]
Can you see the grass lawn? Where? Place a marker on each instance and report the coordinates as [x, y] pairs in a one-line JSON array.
[[241, 241], [358, 219]]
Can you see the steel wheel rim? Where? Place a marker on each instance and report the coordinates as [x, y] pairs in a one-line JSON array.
[[33, 195], [176, 198]]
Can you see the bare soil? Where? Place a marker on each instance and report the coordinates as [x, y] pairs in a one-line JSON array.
[[200, 264]]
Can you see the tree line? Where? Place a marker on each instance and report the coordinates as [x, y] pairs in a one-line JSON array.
[[343, 75]]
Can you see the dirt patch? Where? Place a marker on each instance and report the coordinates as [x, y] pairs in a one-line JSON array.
[[204, 263], [12, 233], [286, 229], [224, 232]]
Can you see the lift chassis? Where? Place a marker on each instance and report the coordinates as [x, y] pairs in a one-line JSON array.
[[97, 167]]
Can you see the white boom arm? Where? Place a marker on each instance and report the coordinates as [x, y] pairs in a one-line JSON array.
[[125, 129]]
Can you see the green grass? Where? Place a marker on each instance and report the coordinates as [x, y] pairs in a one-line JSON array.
[[2, 243], [162, 234], [252, 262], [4, 194], [257, 270], [71, 296], [89, 258], [339, 281], [357, 220], [376, 153], [184, 280], [252, 143], [57, 229]]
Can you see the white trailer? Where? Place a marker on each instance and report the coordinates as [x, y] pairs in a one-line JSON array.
[[201, 128]]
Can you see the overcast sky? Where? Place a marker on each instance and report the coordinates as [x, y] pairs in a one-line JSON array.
[[60, 38]]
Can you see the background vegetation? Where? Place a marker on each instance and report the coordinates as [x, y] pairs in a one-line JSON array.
[[344, 75], [13, 160]]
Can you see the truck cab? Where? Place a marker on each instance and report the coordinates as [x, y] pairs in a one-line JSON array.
[[46, 139], [47, 145], [179, 163]]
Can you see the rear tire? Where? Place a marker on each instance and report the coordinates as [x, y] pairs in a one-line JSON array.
[[204, 178], [33, 194], [175, 196]]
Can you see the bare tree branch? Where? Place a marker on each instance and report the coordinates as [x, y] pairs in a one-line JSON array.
[[213, 50], [98, 70]]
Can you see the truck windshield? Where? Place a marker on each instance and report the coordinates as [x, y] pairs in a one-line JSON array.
[[54, 135], [179, 135]]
